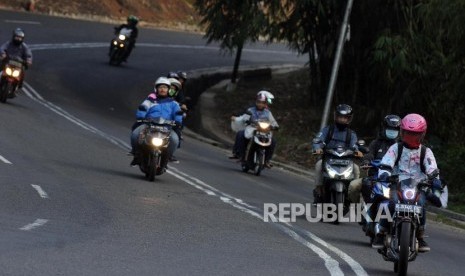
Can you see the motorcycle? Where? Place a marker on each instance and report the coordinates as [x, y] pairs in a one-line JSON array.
[[154, 141], [400, 244], [119, 46], [338, 172], [10, 78], [255, 154]]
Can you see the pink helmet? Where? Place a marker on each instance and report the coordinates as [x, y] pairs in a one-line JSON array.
[[414, 123], [413, 129]]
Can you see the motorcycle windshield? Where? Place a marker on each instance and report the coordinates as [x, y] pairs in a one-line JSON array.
[[126, 32], [408, 183]]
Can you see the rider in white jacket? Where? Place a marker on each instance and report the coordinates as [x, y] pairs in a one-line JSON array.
[[408, 163]]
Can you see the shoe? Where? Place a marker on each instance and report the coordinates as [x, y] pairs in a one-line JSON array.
[[268, 165], [173, 159], [378, 242], [423, 246], [135, 162]]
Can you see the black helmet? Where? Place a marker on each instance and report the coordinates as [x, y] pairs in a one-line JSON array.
[[173, 75], [390, 127], [343, 110], [18, 36], [132, 20], [182, 75]]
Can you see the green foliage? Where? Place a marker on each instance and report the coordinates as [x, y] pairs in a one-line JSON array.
[[450, 161], [231, 22]]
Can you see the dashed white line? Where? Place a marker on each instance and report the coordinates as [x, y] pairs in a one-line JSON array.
[[331, 264], [35, 224], [39, 190], [21, 21], [4, 160]]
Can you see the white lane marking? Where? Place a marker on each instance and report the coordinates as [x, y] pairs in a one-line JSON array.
[[238, 203], [21, 21], [55, 46], [4, 160], [39, 190], [35, 224]]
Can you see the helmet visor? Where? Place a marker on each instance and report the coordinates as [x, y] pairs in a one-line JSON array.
[[412, 139]]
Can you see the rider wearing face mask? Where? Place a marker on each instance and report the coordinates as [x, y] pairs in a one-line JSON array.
[[16, 48], [388, 135], [410, 159], [330, 137]]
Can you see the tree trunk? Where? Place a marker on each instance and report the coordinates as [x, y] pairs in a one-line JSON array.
[[236, 63]]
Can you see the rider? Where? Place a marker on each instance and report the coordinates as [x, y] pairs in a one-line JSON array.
[[390, 127], [331, 137], [407, 165], [16, 48], [259, 111], [164, 107], [130, 26], [176, 86], [180, 96]]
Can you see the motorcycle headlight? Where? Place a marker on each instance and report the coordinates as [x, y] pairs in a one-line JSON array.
[[157, 141], [9, 71], [348, 172], [263, 125], [115, 43], [16, 73], [332, 173], [121, 37], [386, 191], [121, 45], [409, 194]]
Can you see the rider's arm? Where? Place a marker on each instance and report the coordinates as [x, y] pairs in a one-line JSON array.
[[272, 120], [318, 141], [27, 55], [177, 112], [388, 161], [430, 162], [3, 50]]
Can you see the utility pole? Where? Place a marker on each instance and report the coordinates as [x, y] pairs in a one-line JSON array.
[[337, 61]]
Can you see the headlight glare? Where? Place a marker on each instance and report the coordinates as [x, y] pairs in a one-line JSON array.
[[157, 141]]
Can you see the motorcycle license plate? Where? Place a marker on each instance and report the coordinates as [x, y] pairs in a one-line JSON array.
[[408, 208], [339, 162]]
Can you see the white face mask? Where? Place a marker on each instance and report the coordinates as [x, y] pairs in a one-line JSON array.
[[391, 134]]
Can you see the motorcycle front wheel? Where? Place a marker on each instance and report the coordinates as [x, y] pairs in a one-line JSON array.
[[5, 90], [404, 250]]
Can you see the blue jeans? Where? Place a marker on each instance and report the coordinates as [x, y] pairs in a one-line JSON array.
[[174, 140]]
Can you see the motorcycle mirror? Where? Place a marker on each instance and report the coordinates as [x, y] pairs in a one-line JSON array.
[[361, 143]]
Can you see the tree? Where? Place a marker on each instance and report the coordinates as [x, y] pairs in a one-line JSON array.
[[310, 27], [232, 23]]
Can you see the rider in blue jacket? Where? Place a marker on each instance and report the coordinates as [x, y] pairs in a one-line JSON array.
[[164, 107]]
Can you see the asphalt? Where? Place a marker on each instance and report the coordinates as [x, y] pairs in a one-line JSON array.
[[208, 130]]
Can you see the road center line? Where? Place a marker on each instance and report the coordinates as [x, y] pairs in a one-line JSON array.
[[21, 21], [39, 190]]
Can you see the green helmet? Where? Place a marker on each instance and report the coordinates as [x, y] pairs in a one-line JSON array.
[[133, 20]]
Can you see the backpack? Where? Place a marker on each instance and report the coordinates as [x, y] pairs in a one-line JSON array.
[[329, 137], [400, 148]]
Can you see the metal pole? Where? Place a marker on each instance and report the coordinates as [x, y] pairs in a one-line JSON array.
[[337, 61]]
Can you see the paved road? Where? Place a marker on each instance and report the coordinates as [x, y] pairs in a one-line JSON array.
[[71, 205]]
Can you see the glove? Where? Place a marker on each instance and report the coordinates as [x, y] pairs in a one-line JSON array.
[[437, 184], [318, 151], [384, 177], [358, 154]]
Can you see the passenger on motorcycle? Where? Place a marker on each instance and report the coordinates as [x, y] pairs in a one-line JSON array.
[[409, 164], [176, 86], [388, 135], [16, 48], [131, 26], [331, 137], [164, 107], [180, 96], [253, 114]]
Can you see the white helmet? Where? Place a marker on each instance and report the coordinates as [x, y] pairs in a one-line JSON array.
[[264, 95], [176, 83], [162, 80]]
